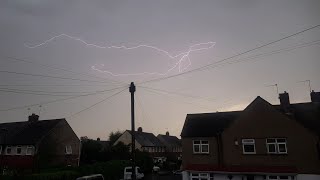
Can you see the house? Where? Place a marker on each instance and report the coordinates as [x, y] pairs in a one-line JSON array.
[[38, 143], [173, 145], [145, 141], [263, 141]]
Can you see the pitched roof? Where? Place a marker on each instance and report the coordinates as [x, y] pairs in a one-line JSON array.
[[146, 139], [207, 124], [307, 114], [23, 133], [169, 140], [210, 124]]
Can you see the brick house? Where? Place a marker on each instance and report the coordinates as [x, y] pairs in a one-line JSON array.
[[173, 145], [263, 141], [145, 141], [38, 143]]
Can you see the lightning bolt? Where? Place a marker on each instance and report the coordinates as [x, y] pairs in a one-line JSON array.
[[181, 56]]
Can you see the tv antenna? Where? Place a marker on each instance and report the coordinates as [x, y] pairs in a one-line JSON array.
[[309, 83]]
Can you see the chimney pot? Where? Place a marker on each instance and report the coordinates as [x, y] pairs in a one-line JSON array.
[[33, 118], [167, 133], [139, 129], [315, 96], [284, 101]]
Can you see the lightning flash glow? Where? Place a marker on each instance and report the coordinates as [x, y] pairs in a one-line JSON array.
[[180, 58]]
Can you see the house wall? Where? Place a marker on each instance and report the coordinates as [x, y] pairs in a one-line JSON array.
[[188, 157], [52, 149], [260, 121], [125, 138]]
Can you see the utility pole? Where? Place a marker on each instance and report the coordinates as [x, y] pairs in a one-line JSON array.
[[132, 89]]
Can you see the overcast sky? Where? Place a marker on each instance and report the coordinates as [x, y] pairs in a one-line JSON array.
[[154, 32]]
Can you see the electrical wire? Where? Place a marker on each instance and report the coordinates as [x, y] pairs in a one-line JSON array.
[[231, 57], [61, 99], [179, 94], [48, 76], [58, 68], [99, 102]]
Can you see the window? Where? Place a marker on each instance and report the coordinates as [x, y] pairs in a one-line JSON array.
[[276, 145], [19, 150], [8, 150], [248, 146], [68, 149], [30, 150], [278, 177], [201, 176], [201, 147]]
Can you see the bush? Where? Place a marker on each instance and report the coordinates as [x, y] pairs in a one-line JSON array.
[[62, 175]]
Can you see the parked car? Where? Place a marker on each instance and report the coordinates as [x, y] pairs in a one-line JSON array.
[[128, 172], [92, 177]]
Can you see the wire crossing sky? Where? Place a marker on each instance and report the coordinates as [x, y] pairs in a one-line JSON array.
[[186, 57]]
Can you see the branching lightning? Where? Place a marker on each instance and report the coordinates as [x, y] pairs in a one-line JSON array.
[[181, 56]]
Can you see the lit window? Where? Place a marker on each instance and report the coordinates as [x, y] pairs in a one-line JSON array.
[[19, 150], [8, 150], [201, 147], [68, 149], [30, 150], [276, 145], [248, 146]]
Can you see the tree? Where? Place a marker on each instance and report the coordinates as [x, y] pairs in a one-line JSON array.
[[114, 136]]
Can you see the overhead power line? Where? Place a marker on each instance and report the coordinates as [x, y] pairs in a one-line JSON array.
[[61, 99], [50, 92], [58, 68], [231, 57], [48, 76], [177, 93], [99, 102]]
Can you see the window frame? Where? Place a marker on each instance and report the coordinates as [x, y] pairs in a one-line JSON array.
[[32, 150], [201, 144], [6, 150], [201, 175], [20, 150], [66, 150], [248, 142], [276, 143], [277, 177]]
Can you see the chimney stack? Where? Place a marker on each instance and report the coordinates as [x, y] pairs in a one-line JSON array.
[[315, 96], [284, 101], [139, 129], [33, 118]]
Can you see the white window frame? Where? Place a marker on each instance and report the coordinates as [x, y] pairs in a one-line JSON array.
[[17, 150], [201, 144], [201, 175], [68, 149], [277, 177], [276, 143], [6, 150], [32, 150], [248, 142]]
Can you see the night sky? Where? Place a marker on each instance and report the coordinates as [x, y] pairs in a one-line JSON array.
[[48, 50]]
